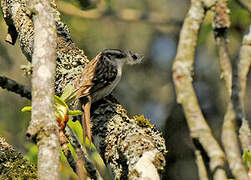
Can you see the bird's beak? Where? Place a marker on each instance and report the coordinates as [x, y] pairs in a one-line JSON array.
[[134, 58]]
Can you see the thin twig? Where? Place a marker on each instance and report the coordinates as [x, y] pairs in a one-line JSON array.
[[182, 77], [221, 25], [239, 86], [72, 138], [229, 135], [66, 150], [13, 86]]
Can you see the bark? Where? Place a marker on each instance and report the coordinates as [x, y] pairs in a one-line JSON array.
[[238, 96], [201, 166], [243, 68], [43, 126], [229, 133], [120, 140], [182, 77], [13, 165], [15, 87]]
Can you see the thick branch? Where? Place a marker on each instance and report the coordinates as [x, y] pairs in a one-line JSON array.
[[182, 77], [120, 147], [126, 141], [43, 125], [13, 86]]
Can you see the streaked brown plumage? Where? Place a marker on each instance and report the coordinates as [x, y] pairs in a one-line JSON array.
[[99, 78]]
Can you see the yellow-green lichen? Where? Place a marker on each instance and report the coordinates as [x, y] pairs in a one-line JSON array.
[[134, 173], [142, 121], [14, 166]]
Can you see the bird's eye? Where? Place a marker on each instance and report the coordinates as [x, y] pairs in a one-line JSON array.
[[134, 57], [109, 56], [119, 56]]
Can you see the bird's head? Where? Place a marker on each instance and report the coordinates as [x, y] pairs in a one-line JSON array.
[[134, 58], [120, 57]]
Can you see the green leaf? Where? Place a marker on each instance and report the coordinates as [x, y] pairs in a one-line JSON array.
[[60, 101], [247, 158], [77, 128], [68, 94], [26, 109], [61, 108], [74, 113]]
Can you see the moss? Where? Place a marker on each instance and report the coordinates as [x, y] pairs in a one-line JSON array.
[[14, 166], [142, 121], [134, 173], [159, 161]]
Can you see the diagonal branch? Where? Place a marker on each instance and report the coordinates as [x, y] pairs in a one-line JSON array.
[[72, 138], [13, 86], [182, 77]]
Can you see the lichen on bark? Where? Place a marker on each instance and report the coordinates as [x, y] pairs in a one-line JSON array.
[[13, 165]]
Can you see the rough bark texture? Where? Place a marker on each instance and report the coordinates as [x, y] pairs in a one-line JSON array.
[[13, 165], [243, 69], [121, 140], [229, 133], [182, 77], [201, 166], [126, 141], [238, 96], [43, 126]]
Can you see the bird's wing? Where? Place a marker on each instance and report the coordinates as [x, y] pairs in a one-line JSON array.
[[84, 81], [98, 74]]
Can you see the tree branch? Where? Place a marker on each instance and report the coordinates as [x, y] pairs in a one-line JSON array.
[[72, 138], [229, 136], [238, 95], [13, 86], [182, 77], [239, 88], [43, 126], [13, 165], [67, 153], [201, 166]]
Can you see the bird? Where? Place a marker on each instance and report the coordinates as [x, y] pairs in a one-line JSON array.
[[98, 79]]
